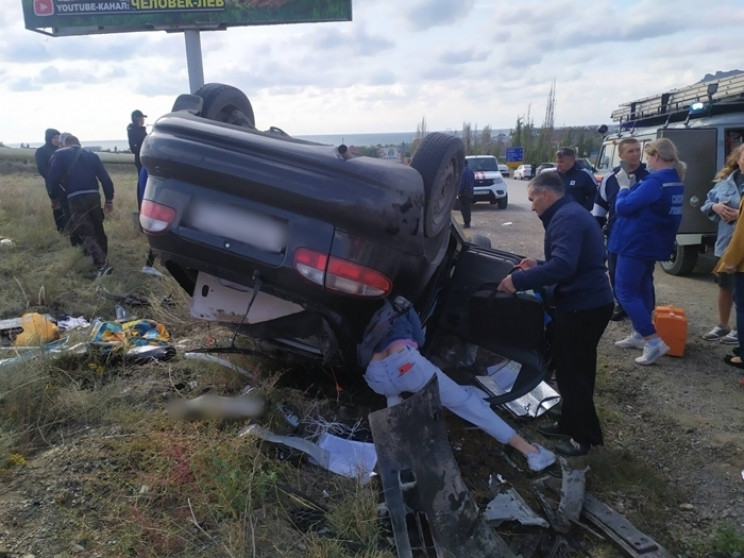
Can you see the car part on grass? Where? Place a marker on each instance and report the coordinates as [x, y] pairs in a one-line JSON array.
[[422, 484], [321, 456], [630, 540], [508, 505], [573, 486], [500, 381], [217, 360], [57, 346]]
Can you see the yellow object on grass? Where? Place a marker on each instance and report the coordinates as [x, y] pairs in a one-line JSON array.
[[37, 330]]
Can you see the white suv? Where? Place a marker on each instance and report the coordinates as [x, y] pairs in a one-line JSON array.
[[490, 186]]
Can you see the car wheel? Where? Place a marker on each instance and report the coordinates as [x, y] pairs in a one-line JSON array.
[[439, 160], [503, 202], [481, 240], [682, 260], [225, 103]]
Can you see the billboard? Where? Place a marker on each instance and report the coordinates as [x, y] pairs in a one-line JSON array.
[[86, 17]]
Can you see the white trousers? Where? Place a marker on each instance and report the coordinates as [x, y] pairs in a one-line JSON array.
[[409, 371]]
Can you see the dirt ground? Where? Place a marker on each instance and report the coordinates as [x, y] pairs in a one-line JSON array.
[[682, 416], [679, 421]]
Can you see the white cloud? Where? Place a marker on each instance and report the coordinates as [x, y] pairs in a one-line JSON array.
[[485, 62]]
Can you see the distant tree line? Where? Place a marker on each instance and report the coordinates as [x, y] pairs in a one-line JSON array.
[[539, 144]]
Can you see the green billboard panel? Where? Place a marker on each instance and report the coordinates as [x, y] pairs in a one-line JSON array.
[[85, 17]]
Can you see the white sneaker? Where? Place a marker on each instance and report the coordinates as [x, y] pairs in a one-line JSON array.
[[149, 270], [716, 333], [632, 341], [732, 338], [541, 460], [652, 353]]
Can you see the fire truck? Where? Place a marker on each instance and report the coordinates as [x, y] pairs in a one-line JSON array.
[[705, 121]]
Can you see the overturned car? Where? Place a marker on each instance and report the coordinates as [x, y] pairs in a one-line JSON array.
[[296, 243]]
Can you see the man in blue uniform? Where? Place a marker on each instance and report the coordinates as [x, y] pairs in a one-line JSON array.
[[629, 150]]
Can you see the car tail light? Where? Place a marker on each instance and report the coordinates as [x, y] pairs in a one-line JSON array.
[[343, 276], [155, 218]]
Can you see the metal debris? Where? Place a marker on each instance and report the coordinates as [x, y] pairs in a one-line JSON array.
[[508, 505], [422, 484], [629, 539]]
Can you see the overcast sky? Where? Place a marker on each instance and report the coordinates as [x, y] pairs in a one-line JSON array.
[[484, 62]]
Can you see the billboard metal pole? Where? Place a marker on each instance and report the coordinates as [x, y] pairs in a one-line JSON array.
[[194, 62]]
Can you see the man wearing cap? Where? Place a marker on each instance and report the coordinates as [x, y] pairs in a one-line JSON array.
[[43, 154], [136, 133], [578, 183]]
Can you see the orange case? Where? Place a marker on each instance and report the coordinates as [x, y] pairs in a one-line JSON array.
[[671, 325]]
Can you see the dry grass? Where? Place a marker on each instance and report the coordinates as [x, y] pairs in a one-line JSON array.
[[127, 479]]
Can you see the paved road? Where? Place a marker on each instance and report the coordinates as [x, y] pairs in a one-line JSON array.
[[515, 229]]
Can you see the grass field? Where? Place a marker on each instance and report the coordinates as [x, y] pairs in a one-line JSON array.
[[90, 437]]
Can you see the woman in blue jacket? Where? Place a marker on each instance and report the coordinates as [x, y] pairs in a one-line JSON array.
[[648, 216]]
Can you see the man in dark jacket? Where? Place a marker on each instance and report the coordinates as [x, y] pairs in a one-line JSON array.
[[79, 172], [136, 133], [629, 150], [43, 155], [578, 183], [467, 184], [574, 264]]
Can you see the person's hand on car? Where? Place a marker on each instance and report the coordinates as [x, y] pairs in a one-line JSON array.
[[506, 285], [527, 263], [56, 205]]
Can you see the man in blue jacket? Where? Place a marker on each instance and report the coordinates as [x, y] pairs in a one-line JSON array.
[[578, 183], [78, 172], [467, 184], [43, 156], [629, 150], [574, 265]]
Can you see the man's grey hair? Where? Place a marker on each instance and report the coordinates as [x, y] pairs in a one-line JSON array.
[[548, 180]]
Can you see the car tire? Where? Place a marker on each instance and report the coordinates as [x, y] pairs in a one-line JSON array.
[[225, 103], [439, 160], [481, 240], [682, 260], [503, 202]]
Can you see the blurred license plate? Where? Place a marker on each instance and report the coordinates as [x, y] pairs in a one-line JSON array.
[[262, 232]]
